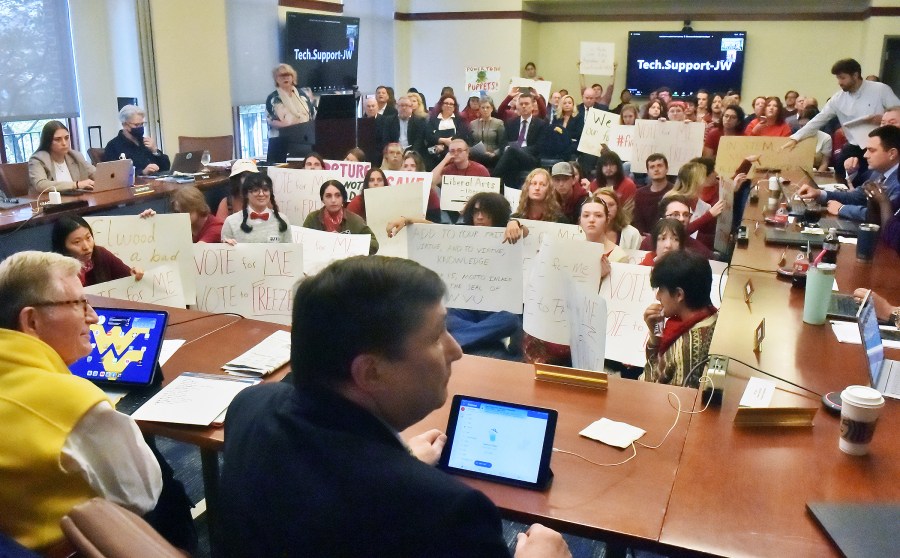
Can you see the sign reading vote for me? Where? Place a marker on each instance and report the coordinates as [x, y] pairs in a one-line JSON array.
[[254, 280], [150, 242], [320, 248], [160, 285], [456, 190], [297, 191], [481, 272]]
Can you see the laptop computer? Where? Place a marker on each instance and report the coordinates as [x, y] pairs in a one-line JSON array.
[[125, 346], [859, 529], [843, 307], [884, 374], [111, 175], [187, 162]]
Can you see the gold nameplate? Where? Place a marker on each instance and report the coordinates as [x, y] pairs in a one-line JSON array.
[[571, 376], [775, 416]]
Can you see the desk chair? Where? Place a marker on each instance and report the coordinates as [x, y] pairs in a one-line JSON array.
[[96, 155], [221, 148], [14, 179]]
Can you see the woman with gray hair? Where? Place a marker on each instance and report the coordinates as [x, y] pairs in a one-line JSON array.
[[488, 131], [287, 108], [131, 143]]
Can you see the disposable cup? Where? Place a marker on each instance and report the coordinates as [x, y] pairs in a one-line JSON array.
[[860, 408]]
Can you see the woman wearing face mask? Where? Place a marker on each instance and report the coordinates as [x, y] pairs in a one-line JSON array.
[[668, 235], [333, 217]]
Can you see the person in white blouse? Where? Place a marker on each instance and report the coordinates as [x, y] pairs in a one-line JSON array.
[[56, 164]]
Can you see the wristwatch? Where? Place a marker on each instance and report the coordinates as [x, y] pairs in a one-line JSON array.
[[895, 317]]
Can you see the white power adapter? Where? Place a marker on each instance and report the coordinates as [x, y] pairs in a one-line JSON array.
[[54, 197]]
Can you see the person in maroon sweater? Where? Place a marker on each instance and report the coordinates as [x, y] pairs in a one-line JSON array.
[[457, 163], [646, 199], [72, 236], [611, 172], [205, 227]]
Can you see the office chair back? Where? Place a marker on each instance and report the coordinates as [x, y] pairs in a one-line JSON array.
[[96, 155], [14, 179]]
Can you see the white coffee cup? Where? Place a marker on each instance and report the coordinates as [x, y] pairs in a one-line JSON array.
[[860, 408]]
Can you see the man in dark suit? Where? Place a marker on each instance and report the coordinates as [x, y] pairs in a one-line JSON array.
[[523, 136], [403, 128], [324, 457]]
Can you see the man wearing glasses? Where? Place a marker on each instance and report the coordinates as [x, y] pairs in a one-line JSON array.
[[61, 441], [457, 163], [677, 206], [131, 143]]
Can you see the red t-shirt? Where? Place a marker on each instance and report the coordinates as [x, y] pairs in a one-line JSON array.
[[473, 169], [211, 231]]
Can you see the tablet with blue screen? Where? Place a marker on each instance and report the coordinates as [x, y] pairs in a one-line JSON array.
[[500, 442], [125, 346]]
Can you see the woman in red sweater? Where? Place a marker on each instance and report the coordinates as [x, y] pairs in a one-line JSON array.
[[771, 123]]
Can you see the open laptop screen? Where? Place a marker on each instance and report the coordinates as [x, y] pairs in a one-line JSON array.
[[125, 347], [871, 338]]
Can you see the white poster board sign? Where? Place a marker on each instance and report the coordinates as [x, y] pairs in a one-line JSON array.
[[545, 291], [160, 285], [254, 280], [722, 240], [678, 141], [597, 125], [539, 233], [597, 58], [145, 243], [297, 191], [621, 141], [586, 312], [544, 88], [512, 195], [456, 190], [482, 78], [481, 272], [388, 204], [320, 248], [408, 177], [351, 174]]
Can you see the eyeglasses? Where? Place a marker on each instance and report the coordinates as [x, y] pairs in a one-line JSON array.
[[454, 151], [449, 104], [258, 190], [82, 301]]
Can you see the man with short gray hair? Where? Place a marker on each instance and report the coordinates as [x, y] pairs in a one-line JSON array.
[[131, 143]]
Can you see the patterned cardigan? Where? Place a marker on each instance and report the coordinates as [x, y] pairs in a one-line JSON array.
[[689, 349]]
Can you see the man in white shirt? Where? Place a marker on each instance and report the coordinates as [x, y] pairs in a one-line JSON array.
[[858, 106]]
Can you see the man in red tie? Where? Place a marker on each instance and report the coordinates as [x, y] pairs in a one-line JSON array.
[[523, 135]]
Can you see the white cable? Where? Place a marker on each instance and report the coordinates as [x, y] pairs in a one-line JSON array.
[[634, 449]]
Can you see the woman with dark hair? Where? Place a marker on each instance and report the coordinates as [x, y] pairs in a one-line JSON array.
[[667, 235], [73, 236], [56, 165], [375, 178], [259, 221], [333, 218], [445, 125], [683, 281], [732, 125], [771, 123], [473, 108], [611, 173], [579, 175], [234, 200], [654, 110], [313, 161]]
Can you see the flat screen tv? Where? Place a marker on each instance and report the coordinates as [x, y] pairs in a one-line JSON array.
[[323, 49], [685, 61]]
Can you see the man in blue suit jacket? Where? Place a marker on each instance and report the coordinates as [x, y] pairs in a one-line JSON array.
[[883, 156], [522, 149], [318, 468]]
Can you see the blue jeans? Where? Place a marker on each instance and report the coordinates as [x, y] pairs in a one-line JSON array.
[[471, 327]]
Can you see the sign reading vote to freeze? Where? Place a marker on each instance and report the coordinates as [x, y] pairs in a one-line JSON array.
[[456, 190], [482, 78], [352, 174], [146, 243], [254, 280], [597, 58], [297, 190], [481, 272], [678, 141], [160, 285], [320, 248], [597, 125]]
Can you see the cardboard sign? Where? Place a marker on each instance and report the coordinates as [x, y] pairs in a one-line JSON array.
[[254, 280], [586, 312], [387, 204], [722, 241], [621, 141], [734, 149], [481, 272], [597, 125], [456, 190], [597, 58], [320, 248], [544, 88], [352, 174], [146, 243], [160, 285], [482, 78], [678, 141], [297, 191]]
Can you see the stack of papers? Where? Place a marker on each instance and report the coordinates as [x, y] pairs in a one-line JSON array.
[[193, 398], [269, 354]]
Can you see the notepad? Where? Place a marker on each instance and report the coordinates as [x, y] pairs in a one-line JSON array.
[[193, 398], [266, 356]]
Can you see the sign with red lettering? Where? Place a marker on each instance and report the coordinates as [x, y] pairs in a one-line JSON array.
[[297, 190]]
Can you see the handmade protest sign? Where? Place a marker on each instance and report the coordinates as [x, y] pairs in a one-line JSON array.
[[734, 149], [544, 88], [512, 195], [320, 248], [597, 58], [586, 312], [253, 280], [297, 191], [384, 205], [540, 232], [722, 240], [456, 190], [351, 174], [678, 141], [160, 285], [597, 125], [145, 243], [481, 272], [482, 78], [621, 141], [425, 179]]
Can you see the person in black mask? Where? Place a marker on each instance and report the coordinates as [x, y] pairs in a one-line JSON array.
[[131, 143]]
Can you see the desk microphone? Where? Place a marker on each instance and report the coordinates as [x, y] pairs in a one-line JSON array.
[[832, 402]]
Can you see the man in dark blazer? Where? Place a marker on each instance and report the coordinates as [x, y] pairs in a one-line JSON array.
[[403, 128], [318, 468], [523, 136]]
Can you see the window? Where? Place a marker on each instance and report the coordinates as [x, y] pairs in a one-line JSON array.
[[253, 131]]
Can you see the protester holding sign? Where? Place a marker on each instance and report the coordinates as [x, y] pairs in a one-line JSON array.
[[654, 110], [73, 236], [619, 229], [668, 235], [259, 221], [628, 114], [333, 218], [537, 202], [683, 280], [375, 178], [205, 227], [732, 124]]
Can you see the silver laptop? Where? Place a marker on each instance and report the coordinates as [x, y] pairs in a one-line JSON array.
[[112, 174], [885, 374]]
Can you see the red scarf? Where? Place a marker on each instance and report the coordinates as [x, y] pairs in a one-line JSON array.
[[676, 327], [649, 259], [333, 224]]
